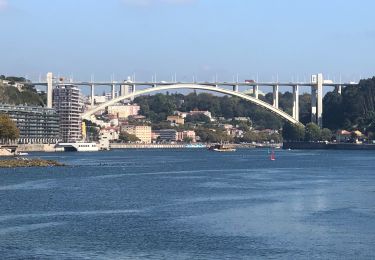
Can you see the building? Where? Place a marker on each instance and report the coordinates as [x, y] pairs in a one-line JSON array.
[[99, 99], [176, 120], [243, 119], [124, 111], [109, 133], [184, 135], [108, 95], [127, 89], [142, 132], [166, 135], [68, 105], [37, 125], [206, 113]]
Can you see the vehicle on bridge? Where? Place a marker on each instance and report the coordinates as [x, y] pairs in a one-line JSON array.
[[249, 81]]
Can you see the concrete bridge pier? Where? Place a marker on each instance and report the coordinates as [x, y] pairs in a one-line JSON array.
[[313, 104], [317, 99], [276, 96], [49, 89], [132, 91], [256, 91], [338, 89], [92, 95], [113, 91], [319, 112], [235, 88], [296, 102]]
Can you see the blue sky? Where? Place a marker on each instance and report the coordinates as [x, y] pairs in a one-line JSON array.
[[288, 39]]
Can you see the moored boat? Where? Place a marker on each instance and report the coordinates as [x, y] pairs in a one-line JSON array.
[[221, 148], [78, 147]]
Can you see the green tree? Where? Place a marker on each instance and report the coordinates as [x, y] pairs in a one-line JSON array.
[[8, 129], [326, 134], [197, 118], [305, 108], [187, 139], [312, 132], [128, 138], [333, 110], [293, 132], [250, 137]]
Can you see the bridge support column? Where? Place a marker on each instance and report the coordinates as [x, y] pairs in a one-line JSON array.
[[313, 104], [317, 99], [235, 88], [132, 91], [296, 102], [338, 89], [113, 91], [92, 95], [256, 91], [276, 96], [319, 111], [49, 89]]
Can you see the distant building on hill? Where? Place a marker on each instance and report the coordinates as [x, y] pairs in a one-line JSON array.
[[206, 113], [37, 125], [177, 120], [99, 99], [124, 111], [166, 135], [192, 113], [184, 135], [142, 132]]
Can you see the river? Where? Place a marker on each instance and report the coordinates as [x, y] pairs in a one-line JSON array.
[[191, 204]]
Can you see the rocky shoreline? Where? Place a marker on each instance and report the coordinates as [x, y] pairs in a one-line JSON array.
[[25, 162]]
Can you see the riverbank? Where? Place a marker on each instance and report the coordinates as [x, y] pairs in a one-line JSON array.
[[326, 146], [25, 162], [185, 146]]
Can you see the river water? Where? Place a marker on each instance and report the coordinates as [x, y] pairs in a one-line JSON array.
[[191, 204]]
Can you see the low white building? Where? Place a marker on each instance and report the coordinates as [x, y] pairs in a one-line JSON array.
[[109, 133]]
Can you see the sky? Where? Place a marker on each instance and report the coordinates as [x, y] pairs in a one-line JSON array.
[[266, 40]]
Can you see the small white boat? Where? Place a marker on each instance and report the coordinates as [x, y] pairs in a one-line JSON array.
[[22, 153]]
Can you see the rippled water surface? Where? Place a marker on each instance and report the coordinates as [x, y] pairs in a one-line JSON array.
[[191, 204]]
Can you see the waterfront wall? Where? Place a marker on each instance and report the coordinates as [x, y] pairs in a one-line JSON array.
[[36, 148], [326, 146], [146, 146]]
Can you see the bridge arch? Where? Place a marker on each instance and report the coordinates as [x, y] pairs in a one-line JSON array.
[[253, 100]]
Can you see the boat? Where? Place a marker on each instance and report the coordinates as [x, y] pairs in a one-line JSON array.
[[221, 148], [78, 147], [272, 157], [22, 153]]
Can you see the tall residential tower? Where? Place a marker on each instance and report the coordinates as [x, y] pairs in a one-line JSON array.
[[68, 105]]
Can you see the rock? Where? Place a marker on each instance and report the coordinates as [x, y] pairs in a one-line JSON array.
[[26, 162]]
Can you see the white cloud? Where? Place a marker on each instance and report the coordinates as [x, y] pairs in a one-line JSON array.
[[146, 3], [3, 4]]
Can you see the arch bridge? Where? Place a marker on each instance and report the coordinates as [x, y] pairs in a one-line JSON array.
[[212, 88], [316, 84]]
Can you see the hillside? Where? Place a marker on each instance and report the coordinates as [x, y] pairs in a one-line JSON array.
[[28, 96], [354, 109]]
